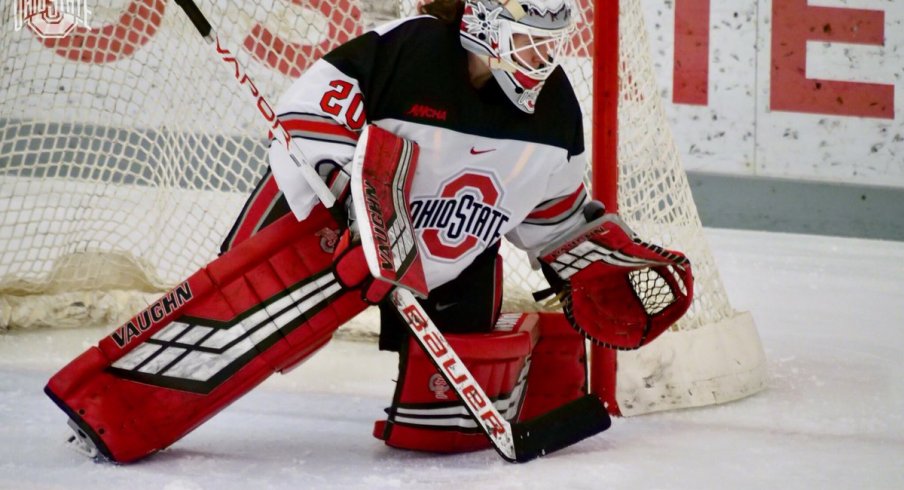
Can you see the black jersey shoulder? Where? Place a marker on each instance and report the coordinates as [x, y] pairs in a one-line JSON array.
[[374, 55], [418, 71], [558, 104]]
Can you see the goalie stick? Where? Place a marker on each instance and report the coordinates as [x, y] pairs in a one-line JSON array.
[[515, 442], [266, 110]]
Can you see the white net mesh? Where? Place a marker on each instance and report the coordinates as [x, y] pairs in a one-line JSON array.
[[127, 150]]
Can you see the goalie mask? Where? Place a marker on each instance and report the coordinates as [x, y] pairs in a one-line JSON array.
[[522, 41]]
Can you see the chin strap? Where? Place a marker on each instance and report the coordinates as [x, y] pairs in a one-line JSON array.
[[514, 8]]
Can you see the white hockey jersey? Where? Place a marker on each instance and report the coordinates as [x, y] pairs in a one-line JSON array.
[[486, 169]]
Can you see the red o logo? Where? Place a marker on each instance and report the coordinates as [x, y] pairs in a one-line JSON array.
[[136, 26], [467, 203]]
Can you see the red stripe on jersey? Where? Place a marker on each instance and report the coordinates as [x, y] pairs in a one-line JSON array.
[[561, 206], [321, 127]]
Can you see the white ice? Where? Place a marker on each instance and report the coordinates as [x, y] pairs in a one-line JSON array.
[[830, 313]]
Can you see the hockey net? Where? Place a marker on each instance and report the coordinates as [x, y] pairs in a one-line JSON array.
[[127, 151]]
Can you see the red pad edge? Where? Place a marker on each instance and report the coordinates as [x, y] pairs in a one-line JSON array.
[[259, 308], [558, 372]]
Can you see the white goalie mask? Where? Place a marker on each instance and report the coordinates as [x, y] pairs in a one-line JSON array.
[[522, 41]]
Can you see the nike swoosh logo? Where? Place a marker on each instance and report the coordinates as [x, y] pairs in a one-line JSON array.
[[475, 151], [446, 306]]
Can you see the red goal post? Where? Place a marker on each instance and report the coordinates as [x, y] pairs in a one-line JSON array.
[[714, 354], [121, 170]]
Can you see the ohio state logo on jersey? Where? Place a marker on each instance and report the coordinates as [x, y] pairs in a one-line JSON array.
[[465, 215]]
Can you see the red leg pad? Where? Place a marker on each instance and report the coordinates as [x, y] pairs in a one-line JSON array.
[[426, 414], [558, 372], [261, 307]]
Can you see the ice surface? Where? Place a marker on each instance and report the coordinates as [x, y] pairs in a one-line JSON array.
[[830, 313]]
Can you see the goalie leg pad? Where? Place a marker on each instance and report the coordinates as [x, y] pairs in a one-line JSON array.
[[261, 307], [558, 372], [426, 415]]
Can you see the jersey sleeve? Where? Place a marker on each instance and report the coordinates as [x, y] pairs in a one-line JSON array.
[[324, 112], [326, 108], [558, 213], [559, 209]]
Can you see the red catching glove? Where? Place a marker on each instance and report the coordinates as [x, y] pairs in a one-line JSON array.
[[616, 289]]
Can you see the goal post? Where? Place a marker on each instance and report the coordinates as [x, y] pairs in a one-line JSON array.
[[714, 354], [603, 362], [126, 151]]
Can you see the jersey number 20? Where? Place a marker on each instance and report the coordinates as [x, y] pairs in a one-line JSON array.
[[336, 101]]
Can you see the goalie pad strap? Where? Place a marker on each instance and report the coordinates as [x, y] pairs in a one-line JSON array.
[[352, 271], [261, 307]]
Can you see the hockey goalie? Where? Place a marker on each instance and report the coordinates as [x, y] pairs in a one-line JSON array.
[[438, 135]]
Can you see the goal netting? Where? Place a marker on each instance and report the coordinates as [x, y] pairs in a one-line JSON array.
[[126, 151]]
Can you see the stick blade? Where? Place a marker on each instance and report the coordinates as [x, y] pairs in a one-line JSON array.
[[560, 428]]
